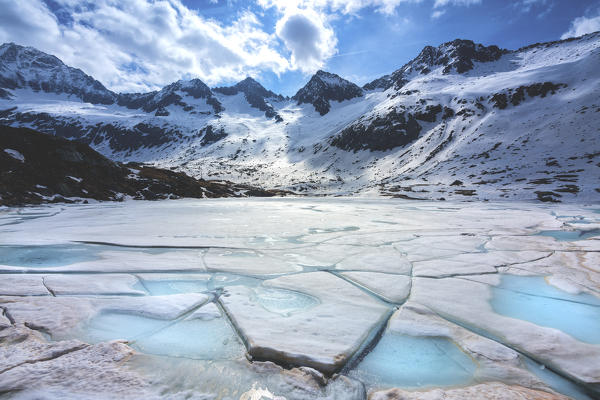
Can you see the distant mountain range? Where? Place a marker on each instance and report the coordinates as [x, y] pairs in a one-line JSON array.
[[461, 120]]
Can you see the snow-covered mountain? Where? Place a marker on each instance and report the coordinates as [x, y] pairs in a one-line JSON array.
[[325, 87], [256, 95], [461, 120], [26, 67]]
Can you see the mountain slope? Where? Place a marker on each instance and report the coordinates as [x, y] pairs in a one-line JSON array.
[[459, 121], [38, 168]]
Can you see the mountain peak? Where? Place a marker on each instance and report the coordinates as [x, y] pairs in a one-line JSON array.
[[249, 81], [457, 55], [22, 67], [193, 87], [325, 86], [167, 96], [247, 86], [255, 94]]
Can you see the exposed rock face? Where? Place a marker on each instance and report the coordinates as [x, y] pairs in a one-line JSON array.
[[324, 87], [380, 133], [118, 137], [457, 55], [517, 96], [384, 82], [256, 95], [26, 67], [172, 95], [37, 168], [212, 135]]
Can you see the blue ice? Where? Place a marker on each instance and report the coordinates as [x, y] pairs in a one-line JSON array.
[[46, 256], [198, 339], [532, 299], [570, 235], [197, 285], [411, 362]]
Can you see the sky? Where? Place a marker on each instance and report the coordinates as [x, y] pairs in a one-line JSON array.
[[143, 45]]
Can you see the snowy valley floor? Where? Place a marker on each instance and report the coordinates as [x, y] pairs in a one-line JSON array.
[[300, 299]]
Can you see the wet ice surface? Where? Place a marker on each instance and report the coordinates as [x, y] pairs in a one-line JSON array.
[[45, 256], [572, 235], [414, 362], [198, 338], [163, 284], [534, 300], [283, 302], [389, 293]]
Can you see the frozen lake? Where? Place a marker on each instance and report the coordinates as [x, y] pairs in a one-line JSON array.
[[300, 299]]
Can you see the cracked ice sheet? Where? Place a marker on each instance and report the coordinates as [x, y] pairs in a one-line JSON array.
[[247, 262], [323, 336], [183, 223], [22, 285], [113, 369], [95, 284], [467, 302], [493, 361], [541, 243], [573, 272], [427, 247], [393, 288], [382, 259], [474, 263], [127, 260], [232, 222], [68, 369], [62, 317]]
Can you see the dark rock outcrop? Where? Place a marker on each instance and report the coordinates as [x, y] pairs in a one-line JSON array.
[[211, 135], [379, 134], [120, 138], [324, 87], [39, 168], [429, 114], [517, 96]]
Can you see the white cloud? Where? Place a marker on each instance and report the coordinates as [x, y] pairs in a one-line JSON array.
[[581, 26], [437, 13], [526, 5], [341, 6], [308, 37], [139, 44], [541, 7], [443, 3]]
